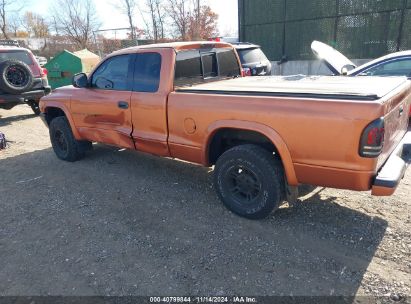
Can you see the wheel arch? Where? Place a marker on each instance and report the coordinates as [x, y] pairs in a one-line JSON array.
[[264, 130], [52, 110]]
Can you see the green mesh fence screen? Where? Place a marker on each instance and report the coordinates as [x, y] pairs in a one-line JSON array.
[[269, 36], [358, 28], [263, 11], [363, 36], [406, 36], [299, 10], [300, 34], [354, 7]]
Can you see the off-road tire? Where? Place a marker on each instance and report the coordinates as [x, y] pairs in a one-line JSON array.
[[64, 144], [21, 83], [250, 163]]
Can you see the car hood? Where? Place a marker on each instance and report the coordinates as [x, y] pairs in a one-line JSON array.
[[332, 58]]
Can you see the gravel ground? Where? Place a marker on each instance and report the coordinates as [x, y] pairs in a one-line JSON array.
[[127, 223]]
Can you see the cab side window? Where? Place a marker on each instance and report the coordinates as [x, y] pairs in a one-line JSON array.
[[147, 72], [196, 66], [113, 74], [188, 68]]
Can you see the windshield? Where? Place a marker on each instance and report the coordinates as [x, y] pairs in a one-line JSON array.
[[16, 55], [251, 55]]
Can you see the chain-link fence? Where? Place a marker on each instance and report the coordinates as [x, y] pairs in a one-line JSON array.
[[109, 40], [358, 28]]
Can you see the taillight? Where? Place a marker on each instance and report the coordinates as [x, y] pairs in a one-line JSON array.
[[372, 139], [247, 71], [43, 72]]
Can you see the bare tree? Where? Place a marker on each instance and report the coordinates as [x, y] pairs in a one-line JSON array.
[[35, 25], [24, 23], [54, 26], [204, 24], [180, 12], [193, 21], [157, 14], [148, 32], [7, 7], [77, 20], [153, 16], [14, 25], [161, 15], [196, 20], [128, 8]]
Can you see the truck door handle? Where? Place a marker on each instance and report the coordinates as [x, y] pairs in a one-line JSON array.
[[122, 104]]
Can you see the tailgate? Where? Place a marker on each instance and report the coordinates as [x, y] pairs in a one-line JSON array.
[[396, 118]]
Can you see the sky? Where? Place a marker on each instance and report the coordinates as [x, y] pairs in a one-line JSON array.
[[110, 18]]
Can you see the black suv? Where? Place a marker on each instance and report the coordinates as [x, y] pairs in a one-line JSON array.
[[22, 79], [253, 60]]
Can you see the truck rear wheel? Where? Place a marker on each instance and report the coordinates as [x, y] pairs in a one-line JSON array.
[[64, 144], [250, 181]]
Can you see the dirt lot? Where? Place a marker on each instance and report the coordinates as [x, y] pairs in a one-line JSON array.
[[126, 223]]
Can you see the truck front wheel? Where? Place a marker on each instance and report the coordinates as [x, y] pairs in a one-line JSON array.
[[64, 144], [250, 181]]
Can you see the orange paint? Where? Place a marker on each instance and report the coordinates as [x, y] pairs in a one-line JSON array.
[[317, 139]]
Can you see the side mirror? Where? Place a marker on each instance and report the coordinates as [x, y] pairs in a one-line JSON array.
[[80, 80]]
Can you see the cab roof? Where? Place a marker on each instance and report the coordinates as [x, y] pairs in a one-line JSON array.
[[245, 45], [177, 46]]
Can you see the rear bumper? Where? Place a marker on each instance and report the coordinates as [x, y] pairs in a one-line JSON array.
[[11, 99], [392, 172]]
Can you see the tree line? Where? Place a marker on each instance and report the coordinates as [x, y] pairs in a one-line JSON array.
[[77, 21]]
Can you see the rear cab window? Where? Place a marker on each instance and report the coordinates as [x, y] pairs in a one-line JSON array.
[[197, 66], [209, 65]]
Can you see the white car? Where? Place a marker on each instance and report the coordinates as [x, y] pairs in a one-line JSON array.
[[395, 64]]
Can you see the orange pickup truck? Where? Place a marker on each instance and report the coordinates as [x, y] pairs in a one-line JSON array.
[[264, 135]]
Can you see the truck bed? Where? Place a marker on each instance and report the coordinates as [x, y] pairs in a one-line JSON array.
[[320, 87], [320, 119]]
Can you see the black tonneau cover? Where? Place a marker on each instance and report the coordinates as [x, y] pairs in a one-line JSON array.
[[323, 87]]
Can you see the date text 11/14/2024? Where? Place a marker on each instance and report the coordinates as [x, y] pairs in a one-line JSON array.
[[222, 299]]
